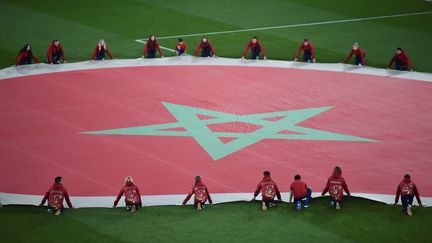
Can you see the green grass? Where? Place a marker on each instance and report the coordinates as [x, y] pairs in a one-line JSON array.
[[359, 220], [79, 24]]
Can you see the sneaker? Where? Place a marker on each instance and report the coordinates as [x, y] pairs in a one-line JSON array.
[[199, 206], [50, 210], [332, 204], [58, 212], [264, 207], [298, 206], [337, 206], [409, 212], [306, 205], [271, 205], [133, 209]]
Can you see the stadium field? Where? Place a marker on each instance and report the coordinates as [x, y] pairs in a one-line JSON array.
[[359, 221], [332, 26], [80, 24]]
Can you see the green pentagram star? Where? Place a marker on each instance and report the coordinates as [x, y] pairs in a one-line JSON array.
[[187, 119]]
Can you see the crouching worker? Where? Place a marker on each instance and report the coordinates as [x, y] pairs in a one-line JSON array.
[[359, 55], [55, 195], [269, 190], [407, 189], [201, 194], [335, 186], [301, 193], [132, 195]]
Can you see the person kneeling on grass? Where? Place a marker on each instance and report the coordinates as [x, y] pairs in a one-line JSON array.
[[359, 55], [308, 51], [132, 195], [151, 47], [201, 194], [335, 186], [301, 193], [25, 56], [401, 60], [256, 49], [205, 47], [55, 195], [100, 50], [180, 49], [269, 190], [55, 53], [407, 189]]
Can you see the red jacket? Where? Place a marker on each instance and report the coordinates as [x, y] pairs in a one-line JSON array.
[[357, 52], [407, 187], [303, 47], [181, 46], [151, 45], [335, 186], [253, 46], [97, 49], [52, 50], [202, 46], [200, 192], [22, 56], [299, 189], [131, 193], [268, 189], [403, 58], [55, 195]]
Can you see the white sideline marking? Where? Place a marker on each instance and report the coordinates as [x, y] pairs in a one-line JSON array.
[[294, 25]]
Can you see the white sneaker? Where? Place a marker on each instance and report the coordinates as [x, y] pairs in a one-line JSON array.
[[264, 207], [337, 206], [409, 212]]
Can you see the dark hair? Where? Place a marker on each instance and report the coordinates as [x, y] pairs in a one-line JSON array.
[[24, 49], [337, 170], [305, 40], [255, 37], [407, 176], [266, 173], [58, 179], [399, 49], [180, 39], [197, 178], [297, 177], [55, 40]]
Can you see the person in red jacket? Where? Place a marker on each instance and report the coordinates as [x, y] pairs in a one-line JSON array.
[[269, 190], [55, 195], [256, 49], [180, 49], [300, 192], [55, 53], [132, 195], [152, 45], [25, 56], [335, 186], [200, 192], [406, 190], [100, 50], [359, 55], [205, 47], [308, 51], [401, 60]]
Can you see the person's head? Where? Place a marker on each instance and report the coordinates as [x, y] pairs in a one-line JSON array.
[[128, 179], [297, 177], [204, 39], [197, 179], [101, 42], [398, 50], [337, 170], [355, 46], [180, 40], [56, 42], [152, 37], [254, 39], [266, 173], [407, 177], [25, 48], [306, 42], [58, 180]]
